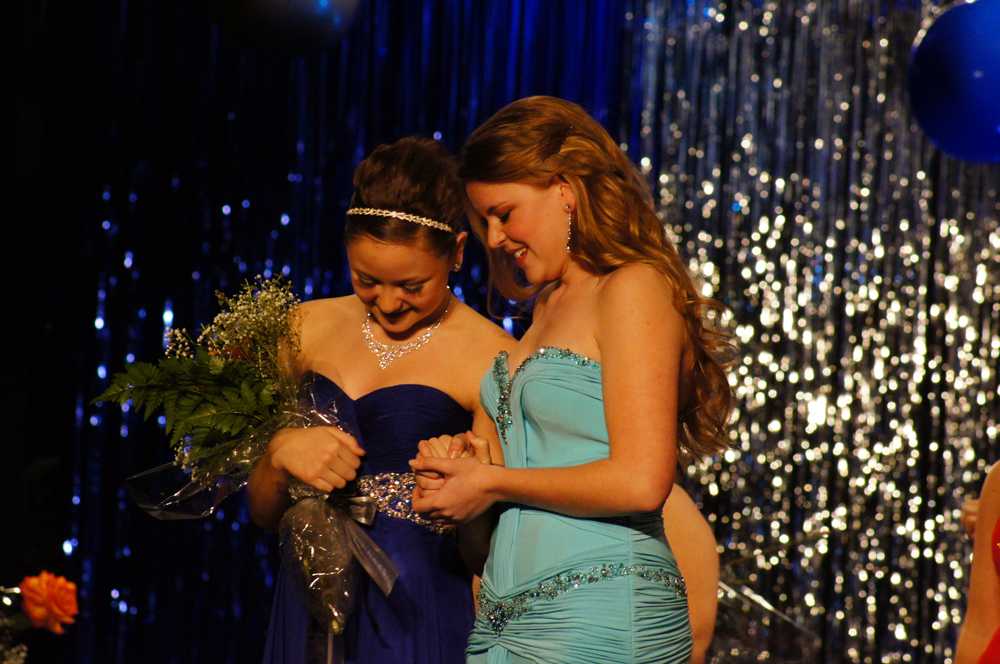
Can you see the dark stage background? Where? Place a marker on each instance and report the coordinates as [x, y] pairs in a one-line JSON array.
[[160, 156]]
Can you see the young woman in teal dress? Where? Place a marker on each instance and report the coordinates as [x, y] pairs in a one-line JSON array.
[[622, 370]]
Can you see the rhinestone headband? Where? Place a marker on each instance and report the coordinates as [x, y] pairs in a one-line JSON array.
[[405, 216]]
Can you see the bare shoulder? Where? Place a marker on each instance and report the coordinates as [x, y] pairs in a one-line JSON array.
[[634, 284], [481, 340], [327, 311], [636, 294], [636, 312], [318, 319], [485, 338]]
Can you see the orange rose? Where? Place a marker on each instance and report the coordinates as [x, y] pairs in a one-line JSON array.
[[49, 601]]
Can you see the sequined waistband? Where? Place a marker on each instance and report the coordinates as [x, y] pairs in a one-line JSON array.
[[497, 613], [393, 495]]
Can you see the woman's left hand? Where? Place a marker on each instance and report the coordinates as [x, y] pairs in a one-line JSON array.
[[466, 492]]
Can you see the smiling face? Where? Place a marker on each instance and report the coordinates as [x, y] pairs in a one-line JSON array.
[[528, 222], [403, 286]]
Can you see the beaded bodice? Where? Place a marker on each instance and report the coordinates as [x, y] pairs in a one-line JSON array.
[[504, 380]]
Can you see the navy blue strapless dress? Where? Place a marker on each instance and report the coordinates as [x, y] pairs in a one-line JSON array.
[[428, 616]]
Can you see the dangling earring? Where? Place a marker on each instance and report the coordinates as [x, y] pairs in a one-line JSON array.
[[569, 228], [454, 268]]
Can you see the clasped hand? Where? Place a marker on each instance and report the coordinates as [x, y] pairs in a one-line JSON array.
[[323, 457], [452, 475]]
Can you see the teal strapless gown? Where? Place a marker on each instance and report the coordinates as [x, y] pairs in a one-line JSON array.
[[558, 588]]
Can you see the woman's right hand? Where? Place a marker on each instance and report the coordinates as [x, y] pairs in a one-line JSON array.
[[323, 457], [462, 446]]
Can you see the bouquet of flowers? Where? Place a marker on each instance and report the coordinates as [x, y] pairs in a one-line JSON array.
[[46, 601], [224, 395]]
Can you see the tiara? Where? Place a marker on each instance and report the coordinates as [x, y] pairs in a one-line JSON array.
[[405, 216]]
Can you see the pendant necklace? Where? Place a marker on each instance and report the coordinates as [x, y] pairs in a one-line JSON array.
[[389, 353]]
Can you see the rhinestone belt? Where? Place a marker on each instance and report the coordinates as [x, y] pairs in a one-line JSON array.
[[393, 495]]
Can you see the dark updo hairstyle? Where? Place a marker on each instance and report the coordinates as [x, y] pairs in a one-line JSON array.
[[414, 175]]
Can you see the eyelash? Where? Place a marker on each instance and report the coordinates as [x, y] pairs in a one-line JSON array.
[[504, 217], [413, 290]]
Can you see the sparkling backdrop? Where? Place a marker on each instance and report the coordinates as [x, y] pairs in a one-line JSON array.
[[864, 272], [861, 265]]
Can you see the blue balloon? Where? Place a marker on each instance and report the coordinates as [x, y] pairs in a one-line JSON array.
[[954, 80]]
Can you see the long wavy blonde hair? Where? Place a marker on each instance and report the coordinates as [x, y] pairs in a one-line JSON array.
[[536, 139]]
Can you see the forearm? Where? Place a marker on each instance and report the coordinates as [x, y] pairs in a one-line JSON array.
[[267, 493], [596, 489]]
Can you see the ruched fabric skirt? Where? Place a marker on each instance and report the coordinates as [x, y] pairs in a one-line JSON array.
[[620, 620]]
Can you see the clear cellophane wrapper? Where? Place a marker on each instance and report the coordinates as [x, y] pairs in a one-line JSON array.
[[320, 533], [322, 536]]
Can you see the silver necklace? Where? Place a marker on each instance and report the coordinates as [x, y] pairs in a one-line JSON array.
[[389, 353]]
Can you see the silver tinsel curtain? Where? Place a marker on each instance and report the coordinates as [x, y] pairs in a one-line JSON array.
[[862, 267]]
